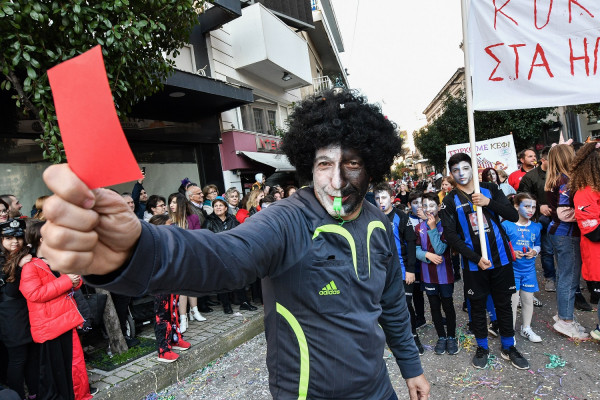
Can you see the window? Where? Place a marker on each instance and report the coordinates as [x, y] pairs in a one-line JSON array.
[[258, 115], [272, 123]]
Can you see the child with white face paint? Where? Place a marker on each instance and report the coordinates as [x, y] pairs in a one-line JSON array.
[[437, 275], [525, 237]]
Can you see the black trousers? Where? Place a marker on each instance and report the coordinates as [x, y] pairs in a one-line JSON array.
[[56, 368], [500, 283], [436, 303], [122, 308], [23, 367], [408, 290], [417, 296]]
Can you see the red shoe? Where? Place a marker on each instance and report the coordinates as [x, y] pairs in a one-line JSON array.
[[181, 345], [168, 357]]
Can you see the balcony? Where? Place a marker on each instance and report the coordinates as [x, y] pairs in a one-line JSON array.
[[266, 47], [322, 83]]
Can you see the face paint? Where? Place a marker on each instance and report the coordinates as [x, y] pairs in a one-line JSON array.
[[430, 208], [462, 173], [340, 173], [527, 208], [492, 175], [416, 205], [384, 201]]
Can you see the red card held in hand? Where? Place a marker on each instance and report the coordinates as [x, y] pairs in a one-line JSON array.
[[95, 144]]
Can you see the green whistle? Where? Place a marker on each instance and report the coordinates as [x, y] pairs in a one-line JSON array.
[[337, 204]]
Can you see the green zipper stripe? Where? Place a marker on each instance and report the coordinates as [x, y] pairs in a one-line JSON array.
[[343, 232], [303, 345], [370, 228]]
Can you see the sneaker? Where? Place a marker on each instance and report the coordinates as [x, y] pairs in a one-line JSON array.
[[247, 306], [581, 328], [440, 346], [570, 329], [452, 346], [528, 333], [516, 359], [419, 345], [480, 359], [550, 285], [93, 391], [168, 357], [181, 345], [536, 302], [581, 303], [183, 323], [195, 315], [596, 333], [493, 328]]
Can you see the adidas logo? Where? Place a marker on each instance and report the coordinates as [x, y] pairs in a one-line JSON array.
[[330, 289]]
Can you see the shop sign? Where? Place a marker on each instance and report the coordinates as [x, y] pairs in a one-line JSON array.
[[268, 144]]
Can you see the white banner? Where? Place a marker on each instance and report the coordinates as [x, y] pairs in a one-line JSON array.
[[534, 53], [497, 153]]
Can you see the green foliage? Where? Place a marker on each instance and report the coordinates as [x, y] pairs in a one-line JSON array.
[[452, 128], [134, 34], [589, 109]]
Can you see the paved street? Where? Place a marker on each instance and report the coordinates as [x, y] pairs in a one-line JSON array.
[[241, 373]]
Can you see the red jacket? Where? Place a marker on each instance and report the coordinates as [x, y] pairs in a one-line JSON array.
[[587, 213], [52, 309]]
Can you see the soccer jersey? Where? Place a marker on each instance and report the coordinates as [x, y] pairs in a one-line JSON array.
[[560, 197], [459, 220], [405, 240], [524, 238], [430, 272]]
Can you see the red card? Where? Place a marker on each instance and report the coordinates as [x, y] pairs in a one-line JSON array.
[[95, 144]]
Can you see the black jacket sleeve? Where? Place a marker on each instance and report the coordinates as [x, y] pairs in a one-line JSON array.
[[526, 185], [500, 204], [408, 234], [395, 319], [135, 193], [197, 262]]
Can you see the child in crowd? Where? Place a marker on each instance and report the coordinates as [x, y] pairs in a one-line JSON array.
[[437, 274], [585, 182], [525, 236], [416, 216], [166, 310], [405, 244]]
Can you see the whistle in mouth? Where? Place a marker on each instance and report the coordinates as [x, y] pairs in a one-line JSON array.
[[337, 204]]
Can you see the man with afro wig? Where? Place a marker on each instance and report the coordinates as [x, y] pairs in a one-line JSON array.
[[332, 287]]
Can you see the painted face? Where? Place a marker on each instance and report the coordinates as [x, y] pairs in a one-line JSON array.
[[492, 175], [416, 205], [462, 173], [219, 209], [173, 205], [341, 173], [129, 201], [3, 213], [12, 243], [526, 208], [430, 208], [383, 200], [233, 199]]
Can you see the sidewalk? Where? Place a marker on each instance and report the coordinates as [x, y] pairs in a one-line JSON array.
[[210, 339]]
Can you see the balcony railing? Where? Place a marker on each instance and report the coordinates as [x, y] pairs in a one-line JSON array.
[[322, 83]]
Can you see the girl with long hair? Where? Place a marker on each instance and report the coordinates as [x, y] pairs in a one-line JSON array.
[[565, 237], [54, 317], [182, 216], [252, 205], [15, 330], [585, 184]]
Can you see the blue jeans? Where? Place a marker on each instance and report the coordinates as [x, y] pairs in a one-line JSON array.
[[547, 253], [568, 268], [393, 397]]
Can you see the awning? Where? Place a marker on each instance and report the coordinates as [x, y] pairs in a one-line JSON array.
[[278, 161]]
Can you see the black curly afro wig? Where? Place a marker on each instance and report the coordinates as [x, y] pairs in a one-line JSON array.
[[345, 118]]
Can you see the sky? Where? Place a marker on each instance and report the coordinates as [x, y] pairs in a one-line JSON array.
[[400, 53]]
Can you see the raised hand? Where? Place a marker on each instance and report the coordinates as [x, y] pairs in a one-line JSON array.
[[87, 231]]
